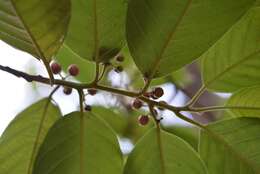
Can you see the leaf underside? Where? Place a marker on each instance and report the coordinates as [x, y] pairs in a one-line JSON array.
[[77, 145], [163, 36], [232, 146], [21, 140]]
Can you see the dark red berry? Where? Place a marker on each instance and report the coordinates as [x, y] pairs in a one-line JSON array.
[[88, 108], [137, 104], [143, 120], [120, 58], [67, 90], [158, 92], [55, 68], [119, 69], [92, 91], [73, 70]]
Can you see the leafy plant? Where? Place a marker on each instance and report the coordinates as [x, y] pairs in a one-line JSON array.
[[152, 43]]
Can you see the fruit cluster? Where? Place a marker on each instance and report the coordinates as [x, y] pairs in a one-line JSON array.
[[73, 70], [155, 94]]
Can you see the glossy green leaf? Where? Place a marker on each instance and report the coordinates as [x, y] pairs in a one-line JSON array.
[[77, 145], [159, 152], [66, 57], [187, 133], [163, 36], [35, 26], [245, 102], [20, 142], [233, 63], [137, 82], [232, 146], [97, 28], [116, 120]]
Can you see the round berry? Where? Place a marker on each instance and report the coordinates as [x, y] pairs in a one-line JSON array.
[[137, 104], [67, 90], [88, 108], [143, 120], [158, 92], [119, 69], [120, 58], [92, 91], [73, 70], [55, 68]]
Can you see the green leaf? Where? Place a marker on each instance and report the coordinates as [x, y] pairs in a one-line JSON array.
[[163, 36], [137, 81], [96, 29], [245, 102], [232, 146], [233, 63], [159, 152], [20, 142], [116, 120], [35, 26], [66, 57], [79, 144], [187, 133]]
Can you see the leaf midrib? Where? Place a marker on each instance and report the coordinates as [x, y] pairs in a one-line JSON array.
[[159, 141], [36, 142], [169, 39], [96, 33], [33, 41], [222, 140], [231, 67], [26, 28]]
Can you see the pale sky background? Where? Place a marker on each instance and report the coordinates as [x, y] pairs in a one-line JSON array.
[[15, 93]]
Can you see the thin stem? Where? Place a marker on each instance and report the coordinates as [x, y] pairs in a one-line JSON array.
[[157, 122], [36, 143], [195, 98], [159, 140], [81, 86], [178, 114], [96, 41], [53, 92], [219, 108], [46, 63], [146, 86], [103, 73], [97, 72], [82, 128]]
